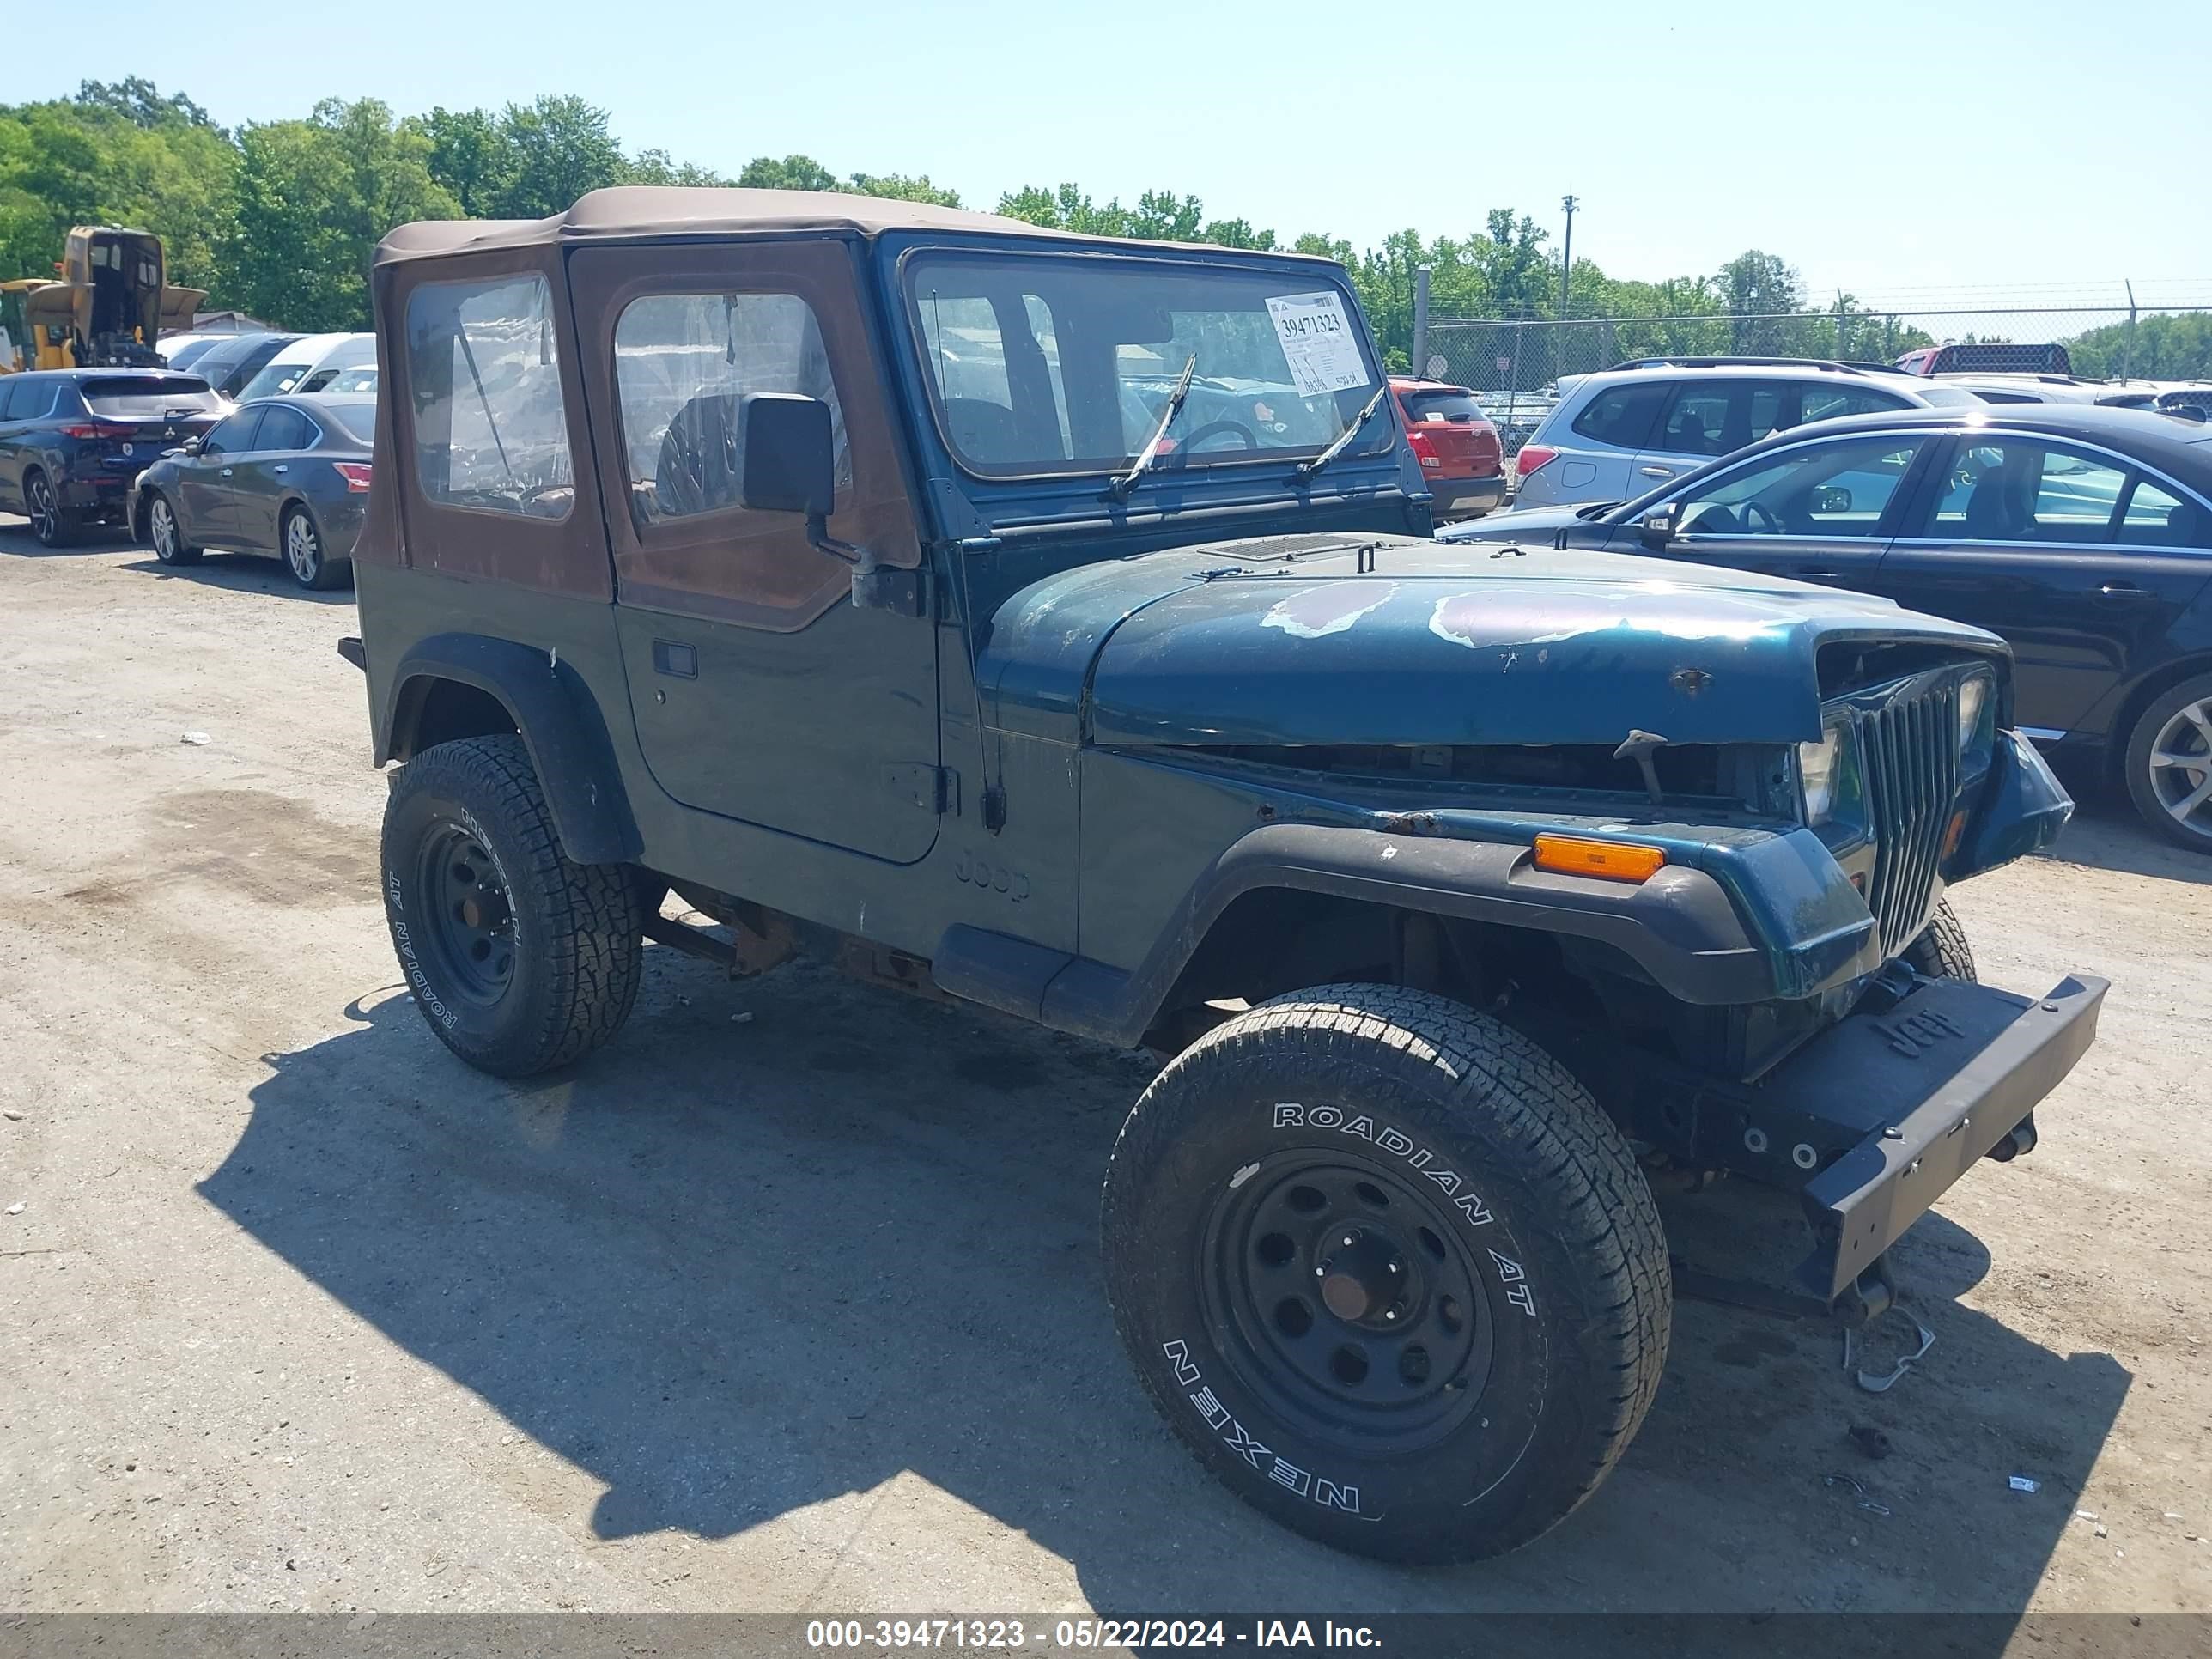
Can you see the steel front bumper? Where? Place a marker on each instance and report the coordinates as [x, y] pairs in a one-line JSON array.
[[1871, 1122]]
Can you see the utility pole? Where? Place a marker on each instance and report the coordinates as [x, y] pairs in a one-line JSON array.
[[1420, 361], [1567, 254]]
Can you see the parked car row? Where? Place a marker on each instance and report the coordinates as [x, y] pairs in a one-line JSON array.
[[2081, 535], [161, 452]]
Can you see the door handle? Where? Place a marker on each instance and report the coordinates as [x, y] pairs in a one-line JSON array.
[[2124, 591], [226, 472], [1656, 471], [280, 467], [1818, 573]]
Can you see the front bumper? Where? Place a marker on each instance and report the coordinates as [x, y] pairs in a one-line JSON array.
[[1872, 1121]]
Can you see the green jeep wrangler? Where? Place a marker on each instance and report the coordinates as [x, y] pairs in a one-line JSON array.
[[1051, 622]]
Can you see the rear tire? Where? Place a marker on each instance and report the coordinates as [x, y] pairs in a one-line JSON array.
[[1389, 1271], [1942, 951], [520, 960], [54, 525], [167, 533], [300, 540], [2169, 765]]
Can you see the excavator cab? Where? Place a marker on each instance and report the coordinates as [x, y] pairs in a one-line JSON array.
[[110, 308]]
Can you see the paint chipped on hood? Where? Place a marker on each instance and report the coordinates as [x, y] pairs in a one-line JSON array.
[[1394, 640]]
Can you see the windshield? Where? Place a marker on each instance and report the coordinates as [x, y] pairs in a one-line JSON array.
[[275, 379], [1048, 363]]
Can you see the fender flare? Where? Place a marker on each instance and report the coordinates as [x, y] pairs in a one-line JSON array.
[[1685, 927], [560, 721]]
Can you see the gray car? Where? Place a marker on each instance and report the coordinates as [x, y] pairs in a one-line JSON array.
[[1620, 433], [287, 477]]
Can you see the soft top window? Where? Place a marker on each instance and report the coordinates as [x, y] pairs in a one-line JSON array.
[[1043, 363], [682, 362], [491, 430]]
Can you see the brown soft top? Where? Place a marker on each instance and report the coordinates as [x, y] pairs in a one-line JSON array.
[[634, 212]]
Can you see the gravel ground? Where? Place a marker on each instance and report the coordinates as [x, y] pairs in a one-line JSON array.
[[801, 1312]]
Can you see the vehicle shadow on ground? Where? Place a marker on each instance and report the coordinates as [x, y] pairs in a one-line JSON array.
[[17, 539], [735, 1269], [244, 571], [2107, 833]]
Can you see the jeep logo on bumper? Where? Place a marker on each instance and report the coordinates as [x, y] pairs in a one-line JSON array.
[[1917, 1033]]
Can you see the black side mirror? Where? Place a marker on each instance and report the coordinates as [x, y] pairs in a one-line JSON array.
[[790, 463], [1656, 528], [1830, 500]]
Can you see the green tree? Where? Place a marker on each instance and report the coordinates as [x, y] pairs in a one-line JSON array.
[[653, 167], [899, 186], [314, 197], [559, 150], [2168, 346], [470, 157], [121, 156], [139, 101], [792, 172]]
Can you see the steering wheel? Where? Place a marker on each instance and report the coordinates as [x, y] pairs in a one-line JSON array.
[[1251, 441], [1754, 512]]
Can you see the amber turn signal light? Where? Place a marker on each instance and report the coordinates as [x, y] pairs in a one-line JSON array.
[[1575, 855]]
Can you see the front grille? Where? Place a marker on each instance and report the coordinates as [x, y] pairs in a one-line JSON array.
[[1908, 749]]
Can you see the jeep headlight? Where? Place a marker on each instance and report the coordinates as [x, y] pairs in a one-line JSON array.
[[1821, 768], [1973, 698]]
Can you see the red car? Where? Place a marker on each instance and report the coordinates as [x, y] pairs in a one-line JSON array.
[[1461, 457]]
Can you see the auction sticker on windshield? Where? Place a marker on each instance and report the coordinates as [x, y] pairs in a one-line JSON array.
[[1317, 339]]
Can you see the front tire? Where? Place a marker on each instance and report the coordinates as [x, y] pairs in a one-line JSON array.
[[1942, 951], [1387, 1268], [2169, 765], [166, 534], [520, 960]]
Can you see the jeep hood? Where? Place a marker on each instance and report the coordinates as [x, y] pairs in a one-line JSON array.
[[1325, 639]]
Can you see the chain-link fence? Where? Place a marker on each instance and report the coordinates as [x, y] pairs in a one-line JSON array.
[[1514, 366]]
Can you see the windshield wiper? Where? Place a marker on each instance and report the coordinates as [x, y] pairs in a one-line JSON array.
[[1307, 469], [1123, 483]]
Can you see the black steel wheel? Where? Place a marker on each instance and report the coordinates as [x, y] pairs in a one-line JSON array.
[[54, 525], [1350, 1301], [467, 922], [520, 960], [1386, 1268]]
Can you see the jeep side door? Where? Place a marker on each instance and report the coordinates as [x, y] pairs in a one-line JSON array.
[[759, 692]]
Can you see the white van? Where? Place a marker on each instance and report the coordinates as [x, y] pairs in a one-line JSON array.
[[310, 363]]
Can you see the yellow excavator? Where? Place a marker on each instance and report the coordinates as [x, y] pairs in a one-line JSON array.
[[110, 308]]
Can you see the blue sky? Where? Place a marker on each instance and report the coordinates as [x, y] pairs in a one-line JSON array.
[[1893, 149]]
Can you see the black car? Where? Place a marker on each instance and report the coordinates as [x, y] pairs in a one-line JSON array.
[[229, 364], [287, 477], [72, 438], [2081, 535]]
